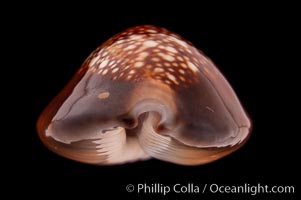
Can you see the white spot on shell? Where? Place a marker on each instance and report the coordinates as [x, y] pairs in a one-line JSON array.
[[138, 64], [151, 31], [158, 70], [171, 49], [136, 37], [114, 65], [103, 64], [115, 70], [105, 53], [167, 64], [170, 69], [180, 58], [155, 59], [112, 62], [168, 58], [130, 47], [104, 95], [142, 55], [182, 78], [150, 43], [105, 72], [192, 67], [167, 82], [172, 78], [183, 65], [182, 71], [93, 69], [93, 61], [180, 42]]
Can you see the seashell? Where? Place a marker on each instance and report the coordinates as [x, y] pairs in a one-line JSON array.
[[145, 93]]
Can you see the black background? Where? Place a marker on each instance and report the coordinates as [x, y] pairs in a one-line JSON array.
[[249, 44]]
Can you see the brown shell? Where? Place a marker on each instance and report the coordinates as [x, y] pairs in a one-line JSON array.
[[144, 93]]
